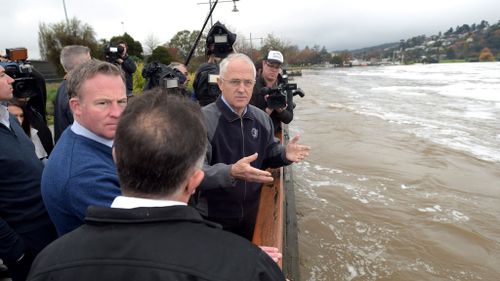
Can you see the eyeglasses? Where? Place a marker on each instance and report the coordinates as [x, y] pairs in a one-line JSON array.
[[237, 82], [273, 65]]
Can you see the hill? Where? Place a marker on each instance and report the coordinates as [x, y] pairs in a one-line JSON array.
[[465, 42]]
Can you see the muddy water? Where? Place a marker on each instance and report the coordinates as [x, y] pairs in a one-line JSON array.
[[403, 182]]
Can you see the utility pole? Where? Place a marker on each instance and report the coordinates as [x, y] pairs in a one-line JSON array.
[[251, 45], [65, 13]]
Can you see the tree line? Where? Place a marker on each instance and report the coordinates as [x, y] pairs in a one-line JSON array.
[[52, 37]]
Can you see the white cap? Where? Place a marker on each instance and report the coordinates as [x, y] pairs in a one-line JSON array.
[[275, 56]]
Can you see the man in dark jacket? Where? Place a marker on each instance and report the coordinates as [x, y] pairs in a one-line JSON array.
[[71, 57], [25, 227], [219, 44], [241, 145], [128, 66], [270, 77], [150, 233]]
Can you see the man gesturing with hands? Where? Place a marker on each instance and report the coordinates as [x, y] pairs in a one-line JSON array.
[[241, 145]]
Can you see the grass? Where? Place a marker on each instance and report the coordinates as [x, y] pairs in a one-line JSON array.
[[452, 61], [49, 105]]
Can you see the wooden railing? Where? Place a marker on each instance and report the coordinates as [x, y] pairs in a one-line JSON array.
[[269, 225], [276, 224]]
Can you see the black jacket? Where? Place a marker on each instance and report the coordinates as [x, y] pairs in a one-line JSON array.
[[286, 116], [206, 91], [166, 243], [63, 117], [129, 67], [231, 138]]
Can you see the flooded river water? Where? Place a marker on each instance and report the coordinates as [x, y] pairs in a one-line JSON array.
[[403, 182]]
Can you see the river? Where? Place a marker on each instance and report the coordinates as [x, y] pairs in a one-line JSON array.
[[403, 180]]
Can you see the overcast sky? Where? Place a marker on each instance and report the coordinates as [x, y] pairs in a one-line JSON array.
[[337, 25]]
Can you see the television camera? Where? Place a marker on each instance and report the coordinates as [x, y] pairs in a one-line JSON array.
[[25, 84], [160, 75], [277, 97], [222, 40], [113, 52]]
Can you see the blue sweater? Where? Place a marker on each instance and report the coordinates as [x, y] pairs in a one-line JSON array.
[[80, 172], [22, 212]]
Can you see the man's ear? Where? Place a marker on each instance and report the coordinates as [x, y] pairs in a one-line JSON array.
[[194, 181], [74, 104], [219, 82]]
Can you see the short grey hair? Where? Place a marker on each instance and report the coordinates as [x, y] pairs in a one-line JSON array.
[[235, 56], [73, 55]]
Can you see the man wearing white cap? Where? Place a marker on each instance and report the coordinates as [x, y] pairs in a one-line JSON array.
[[269, 77]]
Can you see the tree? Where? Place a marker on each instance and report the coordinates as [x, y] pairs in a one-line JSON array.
[[449, 32], [184, 40], [151, 43], [53, 37], [486, 55], [337, 61], [450, 54], [160, 54], [272, 42], [134, 47]]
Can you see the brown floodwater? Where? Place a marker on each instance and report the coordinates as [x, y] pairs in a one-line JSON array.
[[403, 181]]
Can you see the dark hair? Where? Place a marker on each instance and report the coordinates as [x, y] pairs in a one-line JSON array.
[[88, 70], [160, 139]]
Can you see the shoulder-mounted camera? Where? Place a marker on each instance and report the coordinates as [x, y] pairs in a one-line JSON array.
[[160, 75], [17, 67], [220, 41], [277, 97], [113, 52]]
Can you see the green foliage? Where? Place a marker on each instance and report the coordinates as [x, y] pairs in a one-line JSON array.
[[51, 98], [450, 54], [161, 54], [271, 42], [139, 81], [184, 40], [134, 47], [53, 37], [337, 60]]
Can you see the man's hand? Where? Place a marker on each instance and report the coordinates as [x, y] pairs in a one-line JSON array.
[[273, 252], [296, 152], [242, 170]]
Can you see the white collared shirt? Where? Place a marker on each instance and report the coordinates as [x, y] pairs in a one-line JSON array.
[[230, 107], [125, 202], [4, 116], [84, 132]]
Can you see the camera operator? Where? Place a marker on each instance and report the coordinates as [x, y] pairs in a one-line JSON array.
[[269, 77], [173, 76], [182, 69], [128, 66], [30, 92], [219, 45]]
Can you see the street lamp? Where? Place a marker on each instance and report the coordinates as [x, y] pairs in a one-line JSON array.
[[210, 2]]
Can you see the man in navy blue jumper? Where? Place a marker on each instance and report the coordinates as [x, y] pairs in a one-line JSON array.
[[80, 171], [25, 227]]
